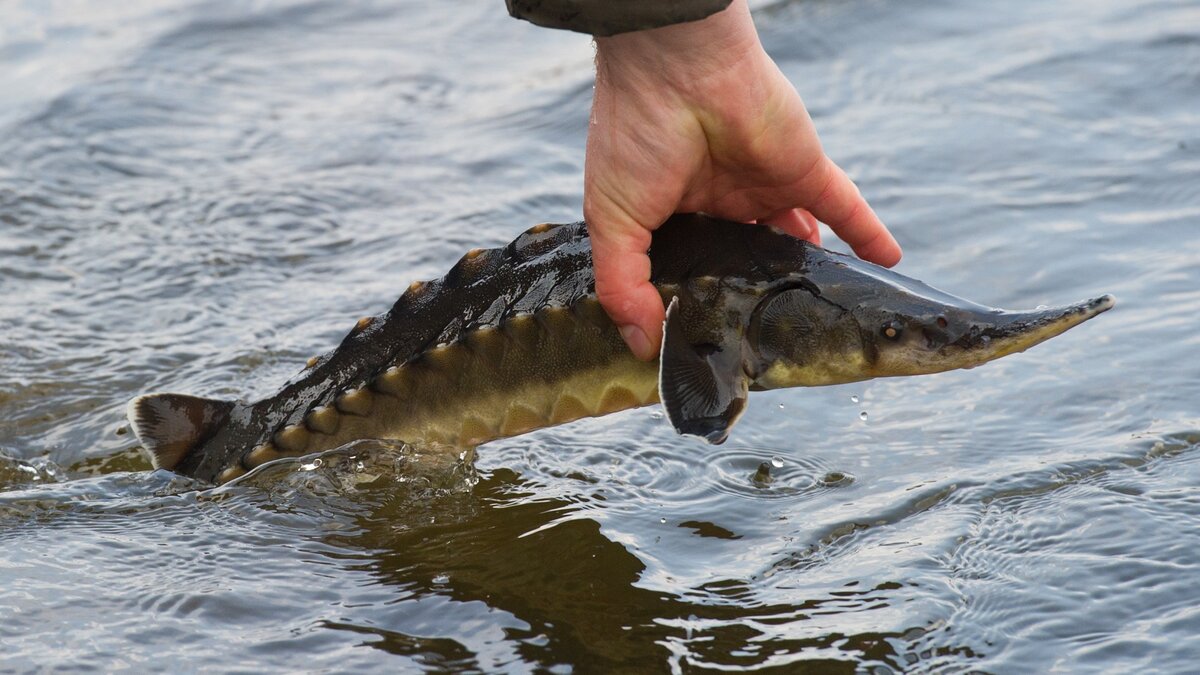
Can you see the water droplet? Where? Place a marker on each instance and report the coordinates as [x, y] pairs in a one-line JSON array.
[[854, 398], [663, 521], [777, 462], [862, 415], [781, 406]]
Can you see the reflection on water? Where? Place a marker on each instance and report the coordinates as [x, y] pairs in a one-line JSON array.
[[198, 197]]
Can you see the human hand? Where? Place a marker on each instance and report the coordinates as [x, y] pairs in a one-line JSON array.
[[697, 117]]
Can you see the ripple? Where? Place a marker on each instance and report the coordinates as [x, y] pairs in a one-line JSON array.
[[16, 473], [364, 465], [198, 197], [798, 478]]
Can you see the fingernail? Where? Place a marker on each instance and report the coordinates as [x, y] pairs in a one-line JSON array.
[[638, 343]]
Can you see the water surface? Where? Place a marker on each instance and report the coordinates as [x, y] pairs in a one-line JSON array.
[[197, 197]]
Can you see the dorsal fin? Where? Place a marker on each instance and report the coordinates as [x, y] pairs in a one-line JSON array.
[[171, 425]]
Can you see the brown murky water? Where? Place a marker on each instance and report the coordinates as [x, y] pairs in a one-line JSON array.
[[197, 197]]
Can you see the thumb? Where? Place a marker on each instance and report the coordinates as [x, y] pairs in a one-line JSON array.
[[619, 246]]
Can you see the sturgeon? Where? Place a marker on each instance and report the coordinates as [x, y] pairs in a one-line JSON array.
[[514, 339]]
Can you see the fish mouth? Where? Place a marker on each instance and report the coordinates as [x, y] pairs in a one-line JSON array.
[[990, 335], [1007, 333]]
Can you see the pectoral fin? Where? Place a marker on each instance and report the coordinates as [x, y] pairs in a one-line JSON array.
[[702, 386]]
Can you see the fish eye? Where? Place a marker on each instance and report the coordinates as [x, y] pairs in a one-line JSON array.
[[891, 330], [941, 322]]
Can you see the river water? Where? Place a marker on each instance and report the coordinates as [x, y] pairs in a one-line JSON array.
[[197, 196]]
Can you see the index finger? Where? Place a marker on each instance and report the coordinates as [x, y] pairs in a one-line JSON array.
[[842, 207]]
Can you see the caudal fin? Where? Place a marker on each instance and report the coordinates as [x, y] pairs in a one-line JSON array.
[[172, 425]]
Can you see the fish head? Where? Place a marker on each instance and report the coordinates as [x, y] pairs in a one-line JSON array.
[[847, 320], [825, 318]]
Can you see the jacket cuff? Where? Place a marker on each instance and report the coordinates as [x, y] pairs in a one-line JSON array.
[[610, 17]]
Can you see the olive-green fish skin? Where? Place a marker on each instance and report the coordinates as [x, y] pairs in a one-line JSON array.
[[513, 339]]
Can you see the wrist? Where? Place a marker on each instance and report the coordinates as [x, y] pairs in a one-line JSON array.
[[683, 52]]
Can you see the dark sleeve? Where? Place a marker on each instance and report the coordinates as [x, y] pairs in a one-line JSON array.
[[609, 17]]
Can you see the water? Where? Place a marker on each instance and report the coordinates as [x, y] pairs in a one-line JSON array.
[[198, 197]]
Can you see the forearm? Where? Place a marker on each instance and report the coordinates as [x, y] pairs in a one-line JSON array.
[[610, 17]]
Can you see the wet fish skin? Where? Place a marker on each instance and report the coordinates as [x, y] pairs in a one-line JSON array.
[[513, 339]]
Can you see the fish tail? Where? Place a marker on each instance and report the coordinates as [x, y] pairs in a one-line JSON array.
[[170, 426]]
